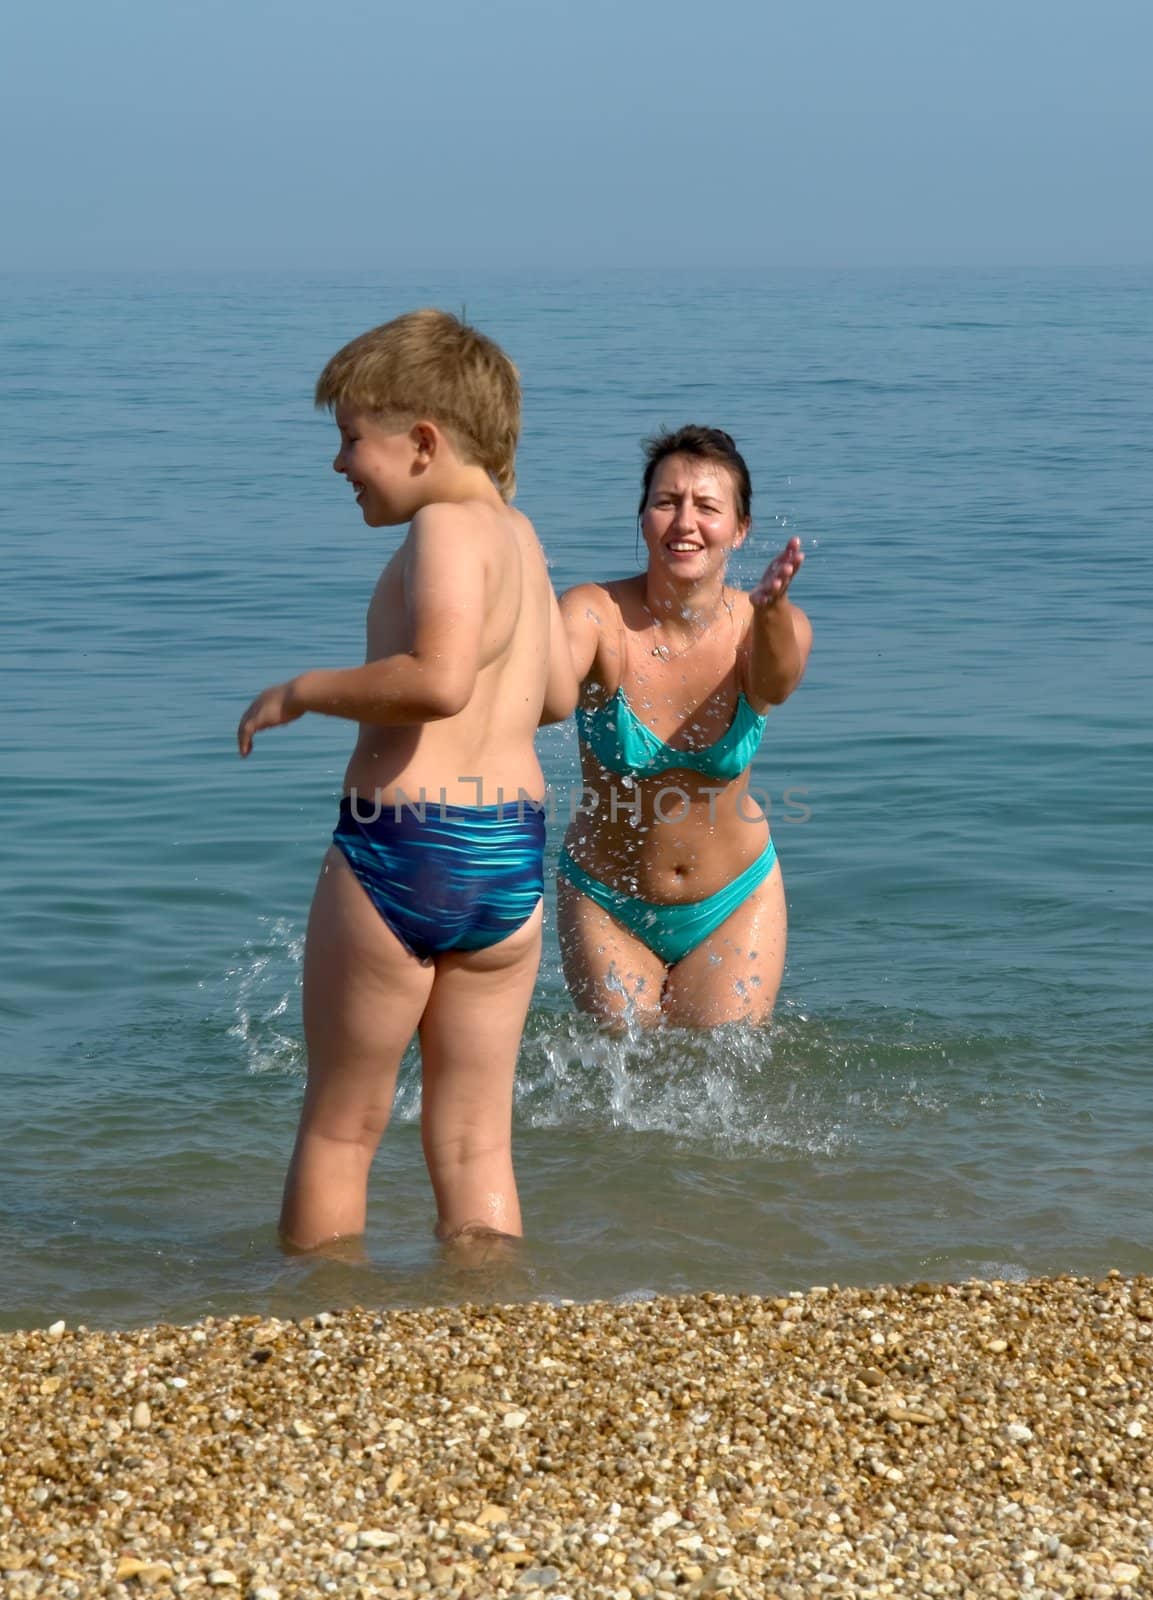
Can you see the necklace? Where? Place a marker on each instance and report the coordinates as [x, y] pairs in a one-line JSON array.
[[664, 653]]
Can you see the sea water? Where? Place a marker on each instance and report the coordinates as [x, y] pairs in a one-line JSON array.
[[956, 1080]]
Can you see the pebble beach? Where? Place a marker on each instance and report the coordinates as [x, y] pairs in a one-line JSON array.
[[985, 1438]]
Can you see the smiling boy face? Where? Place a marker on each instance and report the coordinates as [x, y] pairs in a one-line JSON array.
[[379, 459]]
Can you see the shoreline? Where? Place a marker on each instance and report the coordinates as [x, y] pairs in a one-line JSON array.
[[926, 1439]]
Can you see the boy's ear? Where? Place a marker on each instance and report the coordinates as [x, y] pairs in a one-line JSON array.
[[425, 439]]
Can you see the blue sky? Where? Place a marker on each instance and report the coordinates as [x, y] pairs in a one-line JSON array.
[[507, 133]]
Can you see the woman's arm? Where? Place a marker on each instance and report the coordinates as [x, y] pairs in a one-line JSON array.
[[583, 610], [562, 687], [782, 634]]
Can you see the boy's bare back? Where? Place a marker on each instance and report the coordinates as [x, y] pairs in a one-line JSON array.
[[469, 593]]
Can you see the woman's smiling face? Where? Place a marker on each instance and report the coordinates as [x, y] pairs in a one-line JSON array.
[[690, 520]]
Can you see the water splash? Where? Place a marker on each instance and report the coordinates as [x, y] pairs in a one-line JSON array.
[[263, 988], [803, 1086], [727, 1090]]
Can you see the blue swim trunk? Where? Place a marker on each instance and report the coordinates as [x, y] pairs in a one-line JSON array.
[[446, 877]]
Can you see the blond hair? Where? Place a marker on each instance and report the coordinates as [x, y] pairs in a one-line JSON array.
[[428, 364]]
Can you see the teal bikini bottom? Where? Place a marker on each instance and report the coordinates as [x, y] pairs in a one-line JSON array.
[[670, 931]]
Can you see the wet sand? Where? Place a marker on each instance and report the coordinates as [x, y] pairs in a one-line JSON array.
[[977, 1439]]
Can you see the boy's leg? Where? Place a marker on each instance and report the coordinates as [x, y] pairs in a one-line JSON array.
[[469, 1042], [363, 996]]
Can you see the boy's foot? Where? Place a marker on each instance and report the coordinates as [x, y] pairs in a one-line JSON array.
[[475, 1244], [347, 1247]]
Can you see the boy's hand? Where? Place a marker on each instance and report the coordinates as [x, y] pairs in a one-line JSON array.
[[779, 573], [272, 709]]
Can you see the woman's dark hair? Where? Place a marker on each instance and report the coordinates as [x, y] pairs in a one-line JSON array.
[[702, 444]]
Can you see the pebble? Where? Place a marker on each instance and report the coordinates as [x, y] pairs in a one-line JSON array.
[[840, 1442], [377, 1539]]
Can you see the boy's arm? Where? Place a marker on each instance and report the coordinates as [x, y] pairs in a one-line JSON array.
[[444, 593], [562, 687]]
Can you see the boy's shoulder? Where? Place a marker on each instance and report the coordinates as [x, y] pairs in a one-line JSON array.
[[465, 547], [442, 520], [445, 533]]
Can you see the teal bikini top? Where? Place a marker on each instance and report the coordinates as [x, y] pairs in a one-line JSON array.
[[621, 742]]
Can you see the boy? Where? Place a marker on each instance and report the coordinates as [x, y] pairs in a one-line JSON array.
[[427, 914]]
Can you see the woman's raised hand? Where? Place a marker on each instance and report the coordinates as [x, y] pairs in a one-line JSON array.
[[779, 573]]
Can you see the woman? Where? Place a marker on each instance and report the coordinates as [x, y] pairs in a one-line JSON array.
[[671, 906]]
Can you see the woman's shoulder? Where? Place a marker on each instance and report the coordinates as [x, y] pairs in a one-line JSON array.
[[594, 618], [585, 594], [599, 602]]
